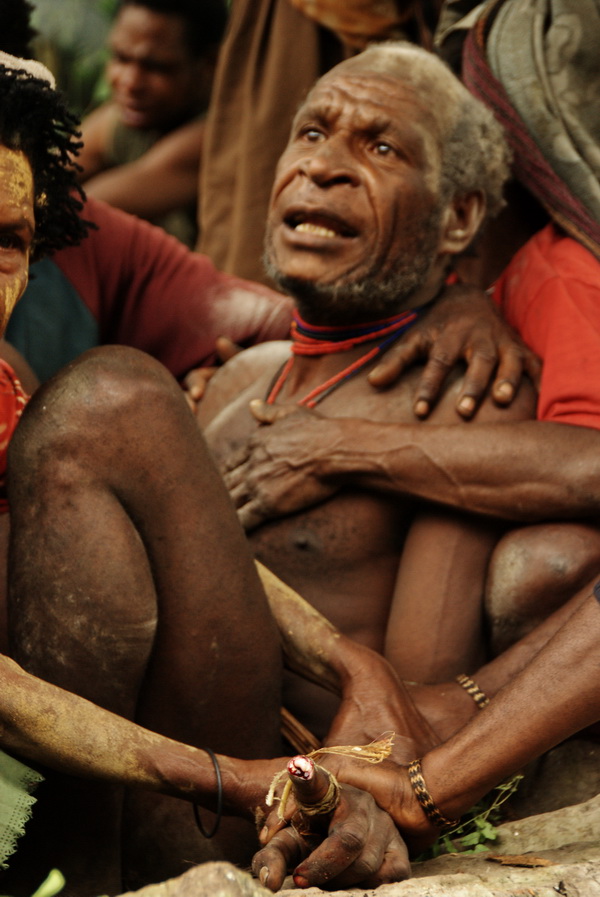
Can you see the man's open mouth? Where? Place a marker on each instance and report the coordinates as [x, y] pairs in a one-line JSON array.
[[320, 224]]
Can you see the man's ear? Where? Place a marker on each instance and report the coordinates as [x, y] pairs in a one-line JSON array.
[[461, 221]]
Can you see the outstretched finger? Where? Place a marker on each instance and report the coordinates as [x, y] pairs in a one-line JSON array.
[[397, 360], [283, 852], [268, 414], [195, 382], [533, 367], [251, 514], [343, 860], [235, 461], [235, 478], [508, 376], [475, 383], [238, 495], [226, 348], [430, 384]]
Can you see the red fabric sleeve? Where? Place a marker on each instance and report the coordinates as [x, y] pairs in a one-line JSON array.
[[149, 291], [12, 403], [550, 294]]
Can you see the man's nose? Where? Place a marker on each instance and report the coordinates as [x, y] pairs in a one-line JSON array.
[[331, 162], [132, 78]]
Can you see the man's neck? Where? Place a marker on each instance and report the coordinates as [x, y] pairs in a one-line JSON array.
[[325, 357]]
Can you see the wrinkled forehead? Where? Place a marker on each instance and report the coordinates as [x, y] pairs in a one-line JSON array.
[[405, 76], [364, 92], [377, 104]]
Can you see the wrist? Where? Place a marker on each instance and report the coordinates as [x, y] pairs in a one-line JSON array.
[[246, 784], [448, 784], [447, 706], [338, 457]]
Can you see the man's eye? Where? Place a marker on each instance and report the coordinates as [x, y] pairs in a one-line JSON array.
[[313, 135], [383, 149], [10, 241]]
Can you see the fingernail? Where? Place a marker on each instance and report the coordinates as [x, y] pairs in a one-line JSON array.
[[300, 881], [504, 390], [421, 408], [263, 833], [467, 405], [263, 875]]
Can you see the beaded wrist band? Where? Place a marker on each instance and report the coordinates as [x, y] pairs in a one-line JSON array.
[[435, 816], [215, 827], [480, 698]]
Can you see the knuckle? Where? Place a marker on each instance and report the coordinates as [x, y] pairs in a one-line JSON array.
[[441, 360], [397, 870], [485, 356], [351, 840]]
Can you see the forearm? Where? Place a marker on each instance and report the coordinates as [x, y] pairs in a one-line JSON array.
[[557, 695], [522, 471], [47, 725], [502, 669]]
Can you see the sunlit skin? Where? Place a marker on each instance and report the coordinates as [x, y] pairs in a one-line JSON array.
[[357, 199], [17, 225], [357, 181], [154, 79]]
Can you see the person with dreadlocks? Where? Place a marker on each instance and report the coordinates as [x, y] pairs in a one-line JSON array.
[[56, 212]]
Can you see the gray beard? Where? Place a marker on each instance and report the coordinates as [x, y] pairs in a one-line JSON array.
[[369, 299]]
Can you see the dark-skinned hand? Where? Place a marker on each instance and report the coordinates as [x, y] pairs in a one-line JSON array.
[[462, 326], [274, 473], [361, 846]]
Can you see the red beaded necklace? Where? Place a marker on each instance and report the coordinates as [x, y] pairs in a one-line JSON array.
[[308, 339]]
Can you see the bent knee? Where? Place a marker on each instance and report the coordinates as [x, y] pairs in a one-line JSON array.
[[536, 569], [107, 389]]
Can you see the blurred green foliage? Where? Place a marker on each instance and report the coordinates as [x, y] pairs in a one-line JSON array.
[[71, 42]]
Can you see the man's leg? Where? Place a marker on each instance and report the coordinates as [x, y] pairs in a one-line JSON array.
[[534, 570], [131, 583]]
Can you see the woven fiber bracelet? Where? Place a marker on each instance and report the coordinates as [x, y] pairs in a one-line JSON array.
[[480, 698], [435, 816], [215, 827]]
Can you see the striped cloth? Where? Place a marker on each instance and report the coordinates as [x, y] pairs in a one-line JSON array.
[[535, 64]]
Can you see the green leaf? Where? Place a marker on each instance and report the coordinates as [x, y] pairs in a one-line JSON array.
[[53, 884]]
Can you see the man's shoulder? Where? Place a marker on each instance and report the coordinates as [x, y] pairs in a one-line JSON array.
[[97, 129], [242, 376]]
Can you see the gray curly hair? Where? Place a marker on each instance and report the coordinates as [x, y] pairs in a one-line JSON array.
[[475, 155]]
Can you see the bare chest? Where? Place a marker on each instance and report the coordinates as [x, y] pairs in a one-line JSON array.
[[342, 555]]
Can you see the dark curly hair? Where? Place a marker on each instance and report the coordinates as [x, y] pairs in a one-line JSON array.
[[35, 120], [205, 20], [17, 31]]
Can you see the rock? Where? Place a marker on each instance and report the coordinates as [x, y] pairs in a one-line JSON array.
[[207, 880], [565, 842], [562, 849], [569, 774]]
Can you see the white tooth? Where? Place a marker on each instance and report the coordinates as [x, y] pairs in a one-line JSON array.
[[308, 228]]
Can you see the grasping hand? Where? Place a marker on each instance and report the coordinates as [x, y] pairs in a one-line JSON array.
[[277, 471], [195, 381], [374, 702], [463, 325], [360, 845]]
